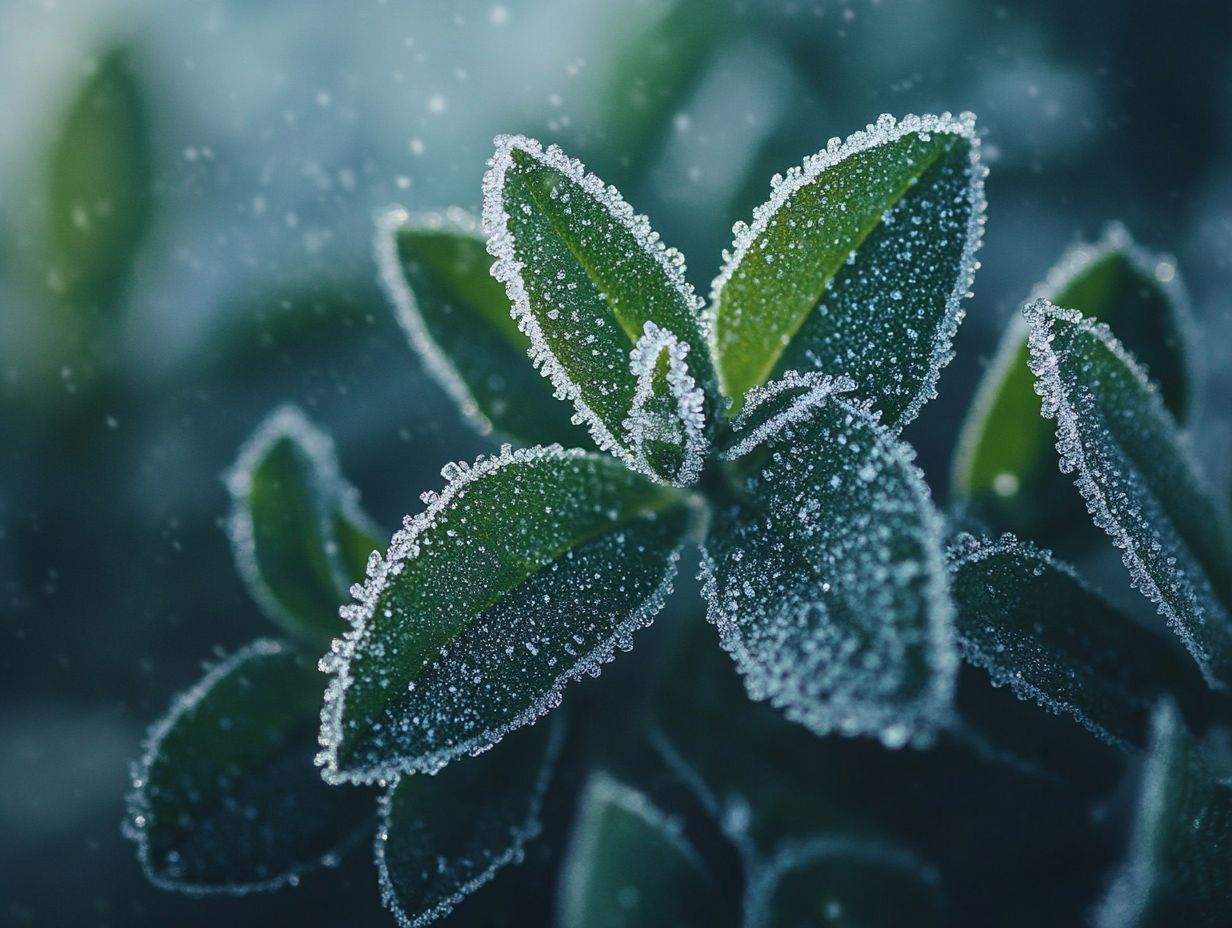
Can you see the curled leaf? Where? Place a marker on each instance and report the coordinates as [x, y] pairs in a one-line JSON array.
[[1138, 477]]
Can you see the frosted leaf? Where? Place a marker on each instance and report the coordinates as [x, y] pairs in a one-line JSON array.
[[857, 265], [843, 880], [629, 864], [584, 275], [527, 571], [440, 838], [225, 798], [1177, 868], [1138, 478], [1036, 628], [297, 530], [435, 270], [826, 580], [1004, 461], [666, 426]]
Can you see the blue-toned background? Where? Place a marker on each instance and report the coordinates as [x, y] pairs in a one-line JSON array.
[[264, 138]]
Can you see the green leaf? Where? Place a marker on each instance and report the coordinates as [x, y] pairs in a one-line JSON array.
[[435, 271], [826, 578], [857, 265], [1180, 857], [299, 535], [98, 178], [1004, 463], [1034, 626], [441, 838], [590, 284], [226, 799], [528, 571], [843, 881], [630, 866], [1138, 478]]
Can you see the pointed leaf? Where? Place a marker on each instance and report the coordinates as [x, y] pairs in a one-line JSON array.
[[835, 880], [1004, 464], [630, 866], [435, 269], [443, 837], [226, 798], [299, 535], [586, 276], [528, 571], [826, 579], [1138, 478], [857, 265], [1180, 858], [1034, 626], [98, 176]]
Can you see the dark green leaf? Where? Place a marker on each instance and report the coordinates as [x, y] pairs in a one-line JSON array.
[[630, 866], [443, 837], [847, 882], [435, 270], [299, 536], [1005, 461], [826, 579], [857, 265], [528, 571], [1138, 478], [226, 798], [1034, 626], [1179, 867], [590, 282], [98, 184]]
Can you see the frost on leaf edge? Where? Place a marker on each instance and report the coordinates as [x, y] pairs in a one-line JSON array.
[[1039, 315], [530, 828], [966, 550], [933, 710], [1115, 239], [138, 817], [887, 129], [690, 404], [333, 494], [507, 269], [403, 547], [398, 291]]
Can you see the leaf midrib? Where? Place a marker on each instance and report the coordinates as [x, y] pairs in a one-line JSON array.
[[785, 338]]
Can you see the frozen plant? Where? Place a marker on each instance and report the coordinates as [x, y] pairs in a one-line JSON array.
[[762, 426]]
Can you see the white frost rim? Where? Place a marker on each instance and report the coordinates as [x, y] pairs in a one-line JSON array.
[[690, 402], [1045, 365], [398, 291], [1115, 239], [507, 269], [139, 816], [331, 492], [404, 546], [887, 129], [933, 709]]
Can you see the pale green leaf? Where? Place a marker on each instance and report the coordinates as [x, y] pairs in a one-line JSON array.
[[857, 265]]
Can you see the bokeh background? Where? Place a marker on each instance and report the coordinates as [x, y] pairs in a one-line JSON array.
[[187, 193]]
